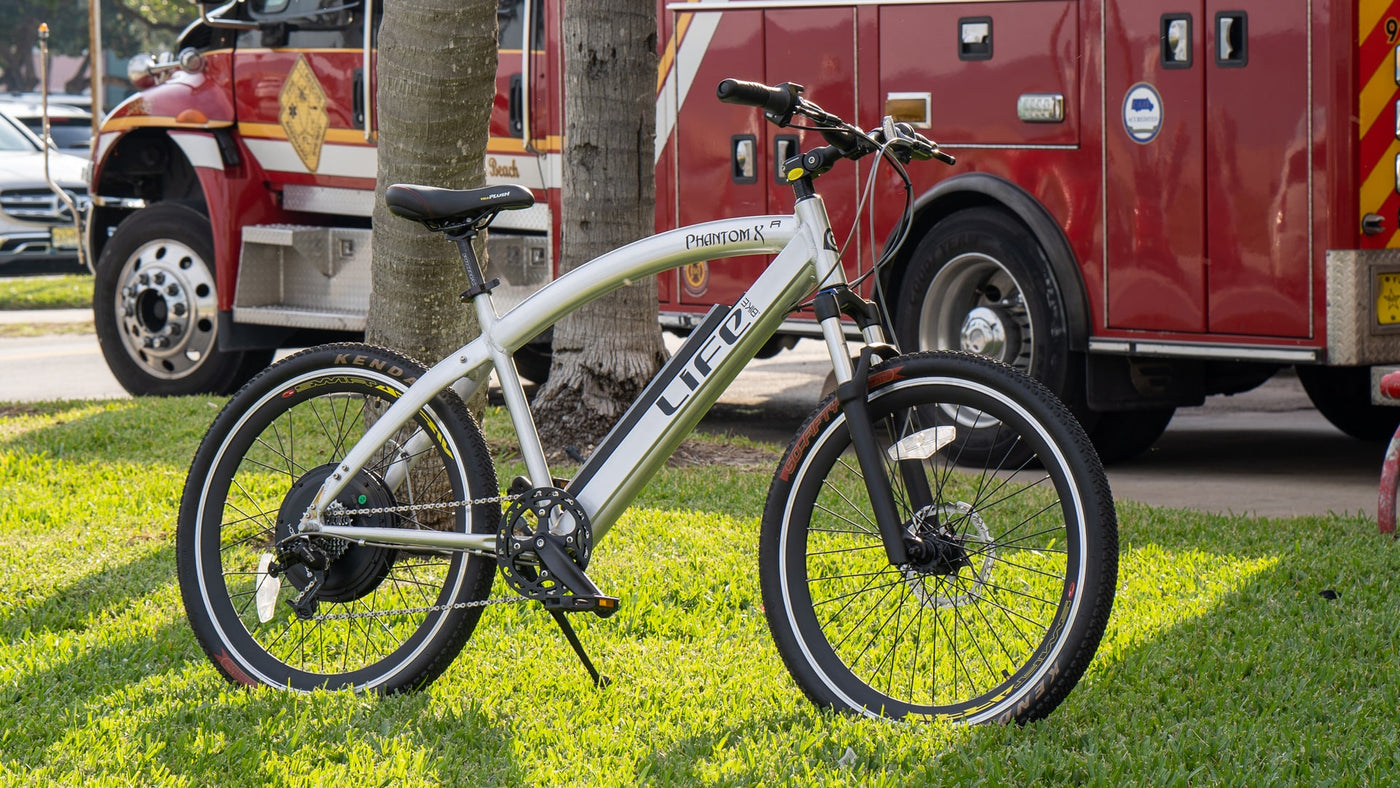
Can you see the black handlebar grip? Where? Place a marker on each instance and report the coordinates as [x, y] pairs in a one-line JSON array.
[[780, 100]]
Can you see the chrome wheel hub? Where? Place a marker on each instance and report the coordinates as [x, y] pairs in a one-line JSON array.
[[167, 310]]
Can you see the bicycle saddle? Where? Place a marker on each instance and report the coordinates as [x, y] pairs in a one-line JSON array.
[[443, 208]]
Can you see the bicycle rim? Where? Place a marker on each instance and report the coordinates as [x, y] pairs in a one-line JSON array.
[[991, 627], [384, 619]]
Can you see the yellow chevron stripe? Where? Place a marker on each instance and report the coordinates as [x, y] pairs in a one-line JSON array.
[[1376, 96], [127, 122], [1380, 181], [1368, 15], [272, 131]]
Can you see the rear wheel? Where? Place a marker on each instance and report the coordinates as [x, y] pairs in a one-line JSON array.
[[998, 620], [156, 311], [382, 619], [1343, 396], [1121, 435]]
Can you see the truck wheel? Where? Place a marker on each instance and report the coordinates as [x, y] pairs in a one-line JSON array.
[[1121, 435], [979, 282], [155, 307], [532, 361], [1343, 396]]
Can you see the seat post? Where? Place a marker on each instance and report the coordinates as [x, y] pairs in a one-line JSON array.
[[463, 238]]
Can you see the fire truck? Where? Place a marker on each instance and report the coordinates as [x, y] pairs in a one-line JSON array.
[[1154, 202]]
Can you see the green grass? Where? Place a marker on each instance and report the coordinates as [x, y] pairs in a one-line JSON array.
[[72, 291], [1222, 663]]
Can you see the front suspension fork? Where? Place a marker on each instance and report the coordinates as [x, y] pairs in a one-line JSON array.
[[852, 392]]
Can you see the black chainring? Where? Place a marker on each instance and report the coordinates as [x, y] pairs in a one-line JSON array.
[[354, 570], [541, 513]]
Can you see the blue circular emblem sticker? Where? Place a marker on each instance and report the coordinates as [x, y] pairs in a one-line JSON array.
[[1142, 113]]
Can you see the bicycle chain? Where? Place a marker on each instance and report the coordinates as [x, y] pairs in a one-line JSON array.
[[502, 600], [335, 509]]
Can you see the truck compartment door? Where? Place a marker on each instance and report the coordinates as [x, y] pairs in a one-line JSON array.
[[1154, 185], [1257, 160]]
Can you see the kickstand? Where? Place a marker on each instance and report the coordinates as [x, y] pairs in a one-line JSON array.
[[599, 681]]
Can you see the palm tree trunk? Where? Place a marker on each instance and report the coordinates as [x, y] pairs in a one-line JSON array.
[[605, 353], [436, 78]]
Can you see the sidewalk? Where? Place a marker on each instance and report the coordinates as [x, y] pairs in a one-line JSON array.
[[37, 316]]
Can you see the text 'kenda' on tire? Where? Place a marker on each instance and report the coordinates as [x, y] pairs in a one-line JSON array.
[[1002, 611], [378, 619], [155, 307], [980, 282]]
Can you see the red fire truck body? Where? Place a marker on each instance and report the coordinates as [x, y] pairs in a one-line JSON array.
[[1153, 202]]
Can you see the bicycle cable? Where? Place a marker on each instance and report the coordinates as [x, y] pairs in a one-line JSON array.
[[901, 230]]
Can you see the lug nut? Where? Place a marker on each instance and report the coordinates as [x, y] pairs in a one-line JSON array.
[[159, 278], [172, 289], [178, 310], [143, 279]]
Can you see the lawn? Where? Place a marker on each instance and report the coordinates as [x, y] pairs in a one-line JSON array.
[[69, 291], [1241, 651]]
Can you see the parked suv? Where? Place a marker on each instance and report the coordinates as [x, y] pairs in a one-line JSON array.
[[34, 222], [69, 126]]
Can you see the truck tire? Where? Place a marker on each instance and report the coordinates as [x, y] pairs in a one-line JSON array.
[[1343, 396], [155, 307], [1122, 435], [980, 282]]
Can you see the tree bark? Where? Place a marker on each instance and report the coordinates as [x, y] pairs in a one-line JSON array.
[[604, 353], [436, 77]]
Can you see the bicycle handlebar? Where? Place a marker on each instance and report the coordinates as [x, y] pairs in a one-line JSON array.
[[782, 101]]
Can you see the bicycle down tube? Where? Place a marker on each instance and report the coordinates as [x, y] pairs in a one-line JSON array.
[[670, 406]]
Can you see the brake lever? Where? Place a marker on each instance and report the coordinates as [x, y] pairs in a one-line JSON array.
[[924, 147]]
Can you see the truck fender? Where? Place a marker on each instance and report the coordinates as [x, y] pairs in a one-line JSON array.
[[982, 189]]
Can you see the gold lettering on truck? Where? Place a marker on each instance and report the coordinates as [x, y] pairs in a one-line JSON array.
[[303, 113]]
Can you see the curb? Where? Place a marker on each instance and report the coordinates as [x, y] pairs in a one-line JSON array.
[[39, 316]]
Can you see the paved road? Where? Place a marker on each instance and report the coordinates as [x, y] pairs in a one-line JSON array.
[[1266, 452]]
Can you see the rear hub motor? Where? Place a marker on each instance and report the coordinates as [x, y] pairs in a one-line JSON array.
[[353, 570]]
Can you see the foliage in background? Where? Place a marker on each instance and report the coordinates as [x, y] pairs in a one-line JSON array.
[[128, 27], [1225, 661]]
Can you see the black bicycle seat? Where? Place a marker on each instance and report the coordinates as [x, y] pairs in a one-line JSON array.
[[443, 208]]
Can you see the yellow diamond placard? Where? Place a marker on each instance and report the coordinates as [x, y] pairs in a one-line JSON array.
[[303, 113]]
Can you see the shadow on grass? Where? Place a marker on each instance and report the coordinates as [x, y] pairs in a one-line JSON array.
[[154, 689], [93, 597]]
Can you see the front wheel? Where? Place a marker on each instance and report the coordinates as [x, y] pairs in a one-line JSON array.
[[1001, 616], [381, 619], [156, 309]]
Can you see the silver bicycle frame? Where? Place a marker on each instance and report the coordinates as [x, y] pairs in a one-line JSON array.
[[671, 405]]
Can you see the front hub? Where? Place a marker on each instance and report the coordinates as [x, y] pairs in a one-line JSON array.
[[955, 555]]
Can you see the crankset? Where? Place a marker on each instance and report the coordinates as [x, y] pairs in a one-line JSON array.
[[542, 548]]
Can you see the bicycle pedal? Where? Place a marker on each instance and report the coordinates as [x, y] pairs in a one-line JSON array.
[[603, 606]]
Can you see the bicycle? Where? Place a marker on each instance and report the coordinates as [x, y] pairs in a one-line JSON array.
[[342, 520]]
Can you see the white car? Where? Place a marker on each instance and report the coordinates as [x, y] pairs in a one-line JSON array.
[[34, 222], [70, 126]]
